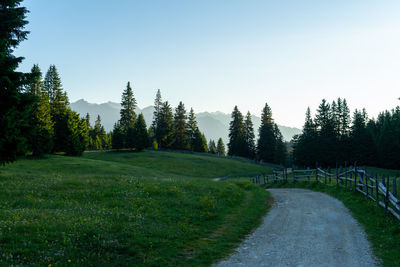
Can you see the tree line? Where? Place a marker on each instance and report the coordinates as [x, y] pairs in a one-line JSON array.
[[176, 130], [333, 137], [270, 146]]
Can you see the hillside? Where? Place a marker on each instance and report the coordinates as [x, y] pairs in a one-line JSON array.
[[125, 209], [213, 124]]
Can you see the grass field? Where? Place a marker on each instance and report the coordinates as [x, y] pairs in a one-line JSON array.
[[383, 230], [124, 209]]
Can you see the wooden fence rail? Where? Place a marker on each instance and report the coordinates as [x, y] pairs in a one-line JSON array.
[[383, 191]]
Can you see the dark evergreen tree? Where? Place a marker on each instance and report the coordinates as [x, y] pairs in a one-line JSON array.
[[165, 128], [181, 138], [212, 147], [266, 141], [305, 144], [280, 147], [127, 112], [220, 147], [156, 115], [142, 140], [249, 137], [362, 144], [118, 136], [58, 107], [77, 134], [191, 128], [199, 142], [15, 105], [41, 139], [237, 143]]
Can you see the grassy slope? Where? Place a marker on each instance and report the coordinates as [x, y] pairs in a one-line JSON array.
[[181, 164], [383, 231], [99, 210]]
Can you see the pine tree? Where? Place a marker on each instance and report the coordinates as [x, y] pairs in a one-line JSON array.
[[141, 134], [220, 147], [191, 128], [280, 147], [77, 134], [237, 144], [58, 107], [15, 105], [211, 147], [117, 139], [41, 139], [127, 112], [165, 128], [304, 144], [249, 137], [156, 115], [266, 141], [87, 120], [199, 142], [181, 138]]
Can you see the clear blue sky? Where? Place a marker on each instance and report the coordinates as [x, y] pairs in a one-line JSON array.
[[213, 55]]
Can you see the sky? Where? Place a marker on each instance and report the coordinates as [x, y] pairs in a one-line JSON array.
[[213, 55]]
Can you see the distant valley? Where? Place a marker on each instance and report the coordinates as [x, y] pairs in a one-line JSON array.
[[213, 124]]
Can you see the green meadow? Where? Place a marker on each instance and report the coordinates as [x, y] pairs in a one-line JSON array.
[[124, 208]]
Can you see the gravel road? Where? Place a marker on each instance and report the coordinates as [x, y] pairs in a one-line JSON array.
[[304, 228]]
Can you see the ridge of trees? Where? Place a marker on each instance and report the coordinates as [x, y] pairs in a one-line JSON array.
[[334, 137], [270, 145]]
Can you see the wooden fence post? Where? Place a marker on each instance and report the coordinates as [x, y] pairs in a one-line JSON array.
[[309, 174], [329, 173], [377, 189], [355, 176], [394, 190], [387, 194]]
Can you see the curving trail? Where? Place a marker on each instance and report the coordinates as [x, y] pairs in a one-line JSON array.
[[304, 228]]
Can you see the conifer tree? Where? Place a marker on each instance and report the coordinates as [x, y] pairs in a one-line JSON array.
[[303, 152], [156, 115], [141, 134], [199, 142], [117, 139], [280, 147], [41, 139], [77, 134], [211, 147], [15, 105], [181, 138], [165, 128], [249, 137], [220, 147], [58, 107], [237, 144], [127, 112], [266, 141], [87, 120], [191, 128]]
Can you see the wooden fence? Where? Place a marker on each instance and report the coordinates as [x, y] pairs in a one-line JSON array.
[[383, 190]]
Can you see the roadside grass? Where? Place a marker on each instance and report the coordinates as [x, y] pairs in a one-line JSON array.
[[180, 164], [383, 230], [88, 212]]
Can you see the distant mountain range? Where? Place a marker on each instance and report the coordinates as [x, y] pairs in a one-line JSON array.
[[213, 124]]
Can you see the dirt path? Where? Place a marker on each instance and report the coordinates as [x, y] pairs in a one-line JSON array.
[[304, 228]]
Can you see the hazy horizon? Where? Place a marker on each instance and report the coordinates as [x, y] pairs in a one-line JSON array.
[[215, 55]]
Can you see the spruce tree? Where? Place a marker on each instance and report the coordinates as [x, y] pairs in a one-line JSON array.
[[117, 139], [141, 134], [41, 139], [156, 115], [15, 105], [304, 150], [191, 128], [77, 134], [220, 147], [266, 141], [249, 137], [165, 128], [58, 107], [280, 147], [127, 112], [199, 142], [211, 147], [181, 138], [237, 144]]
